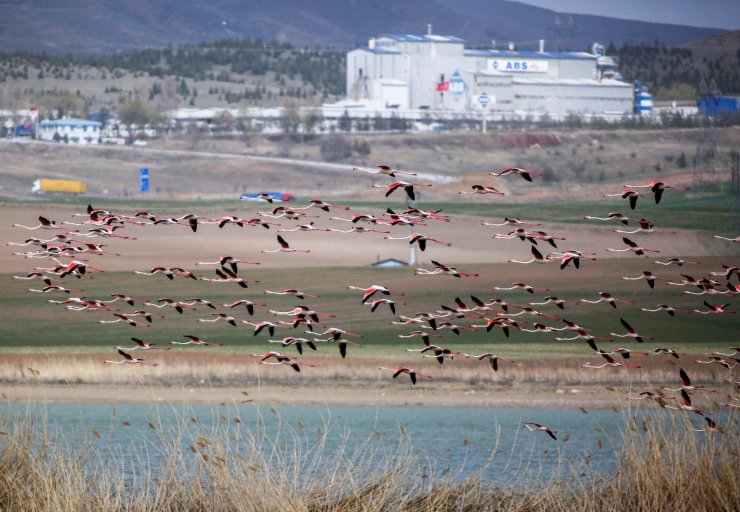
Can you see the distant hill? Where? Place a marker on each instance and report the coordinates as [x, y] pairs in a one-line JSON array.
[[112, 25]]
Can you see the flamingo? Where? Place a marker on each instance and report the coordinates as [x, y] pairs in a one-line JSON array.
[[384, 169], [735, 351], [483, 189], [631, 195], [441, 268], [527, 175], [488, 356], [361, 217], [372, 290], [197, 300], [658, 397], [292, 291], [407, 187], [644, 226], [418, 238], [522, 286], [665, 307], [675, 261], [166, 301], [720, 237], [425, 336], [551, 299], [228, 260], [609, 362], [296, 342], [124, 318], [718, 309], [322, 205], [537, 258], [358, 229], [657, 187], [227, 276], [260, 326], [377, 302], [440, 353], [529, 311], [647, 276], [532, 426], [303, 227], [143, 345], [632, 246], [686, 406], [221, 316], [624, 352], [194, 340], [281, 359], [711, 427], [53, 288], [611, 216], [575, 257], [248, 305], [727, 272], [631, 333], [413, 374], [336, 333], [44, 223], [687, 386], [36, 275], [129, 359], [515, 221], [285, 247], [731, 364], [605, 297]]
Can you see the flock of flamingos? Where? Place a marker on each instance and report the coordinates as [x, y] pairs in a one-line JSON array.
[[72, 243]]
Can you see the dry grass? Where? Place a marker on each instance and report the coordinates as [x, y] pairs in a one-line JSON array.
[[661, 466]]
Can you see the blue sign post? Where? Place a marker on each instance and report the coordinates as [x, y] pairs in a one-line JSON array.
[[144, 179]]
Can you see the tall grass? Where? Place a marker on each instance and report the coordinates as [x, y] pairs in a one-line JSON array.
[[661, 466]]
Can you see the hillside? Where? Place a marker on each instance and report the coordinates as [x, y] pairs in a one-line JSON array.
[[109, 26]]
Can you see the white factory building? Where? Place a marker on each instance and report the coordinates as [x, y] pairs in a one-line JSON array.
[[436, 72]]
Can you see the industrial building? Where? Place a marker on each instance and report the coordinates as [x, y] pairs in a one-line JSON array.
[[77, 131], [437, 72]]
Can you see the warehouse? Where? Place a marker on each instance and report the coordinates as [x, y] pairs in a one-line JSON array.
[[436, 72]]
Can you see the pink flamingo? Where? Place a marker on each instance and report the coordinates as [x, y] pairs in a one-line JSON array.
[[413, 374], [129, 359], [527, 175], [532, 427]]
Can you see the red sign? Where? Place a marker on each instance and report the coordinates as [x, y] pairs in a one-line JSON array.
[[443, 86]]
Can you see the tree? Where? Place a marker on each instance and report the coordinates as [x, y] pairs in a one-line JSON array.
[[290, 119], [345, 122], [134, 112]]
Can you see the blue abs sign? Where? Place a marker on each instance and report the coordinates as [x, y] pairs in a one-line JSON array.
[[457, 85]]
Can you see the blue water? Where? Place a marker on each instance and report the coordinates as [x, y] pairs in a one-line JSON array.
[[450, 442]]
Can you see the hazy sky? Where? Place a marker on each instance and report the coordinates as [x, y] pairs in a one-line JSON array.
[[698, 13]]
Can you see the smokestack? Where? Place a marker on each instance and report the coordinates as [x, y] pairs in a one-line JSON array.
[[371, 43], [429, 29], [542, 46], [511, 46]]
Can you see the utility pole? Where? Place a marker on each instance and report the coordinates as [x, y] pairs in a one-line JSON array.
[[706, 173]]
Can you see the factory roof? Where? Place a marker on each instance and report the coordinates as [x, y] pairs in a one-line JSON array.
[[425, 38], [530, 54], [605, 82], [68, 121], [380, 50]]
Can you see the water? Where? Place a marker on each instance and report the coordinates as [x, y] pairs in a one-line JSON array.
[[451, 442]]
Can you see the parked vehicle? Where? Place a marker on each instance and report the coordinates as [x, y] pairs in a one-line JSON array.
[[44, 185]]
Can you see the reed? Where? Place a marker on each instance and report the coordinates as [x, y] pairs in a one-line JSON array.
[[662, 465]]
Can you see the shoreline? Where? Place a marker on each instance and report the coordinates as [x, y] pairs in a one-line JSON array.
[[451, 395]]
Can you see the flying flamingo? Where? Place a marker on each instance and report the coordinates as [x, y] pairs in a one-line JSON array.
[[418, 238], [658, 397], [632, 246], [292, 291], [605, 297], [511, 222], [227, 276], [718, 309], [407, 187], [44, 223], [52, 288], [483, 189], [647, 276], [657, 187], [373, 289], [194, 340], [531, 426], [260, 326], [491, 323], [675, 261], [631, 195], [336, 333], [527, 175], [491, 358], [611, 216], [384, 169], [124, 318], [729, 364], [522, 286], [665, 307], [303, 227], [284, 247], [248, 305], [441, 268], [609, 362], [36, 275], [644, 226], [296, 342], [322, 205], [727, 272], [631, 333], [228, 260], [440, 353], [358, 229], [413, 374], [129, 359], [687, 386], [686, 406], [551, 299], [575, 257], [143, 345], [711, 427], [720, 237], [425, 336], [220, 316], [377, 302], [537, 258], [281, 359]]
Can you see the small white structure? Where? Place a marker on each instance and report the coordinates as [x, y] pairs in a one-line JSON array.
[[75, 131]]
